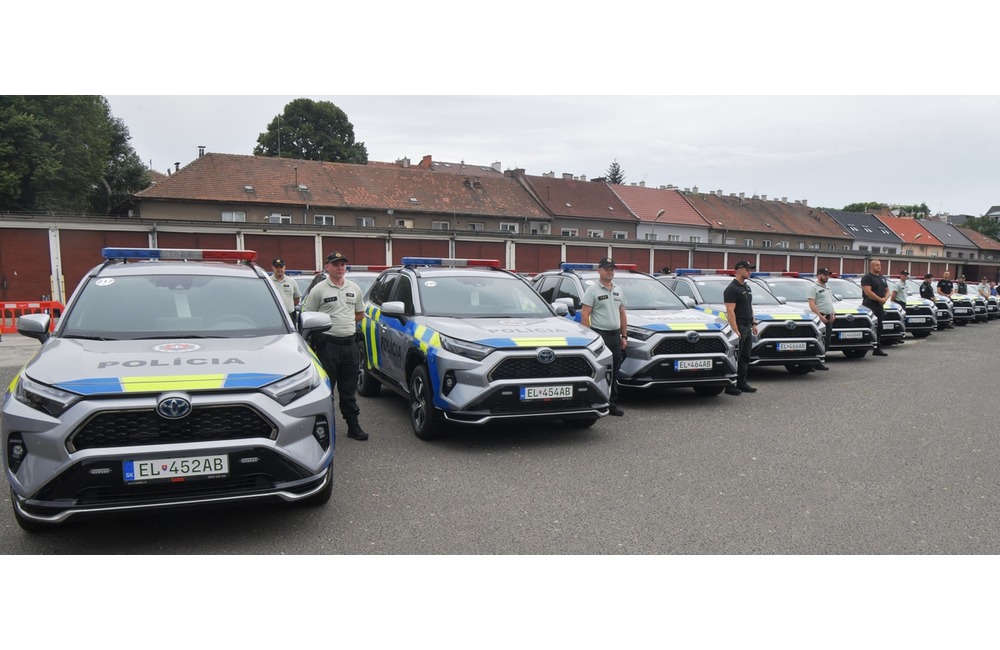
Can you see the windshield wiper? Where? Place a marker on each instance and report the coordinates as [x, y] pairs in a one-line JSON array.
[[87, 338]]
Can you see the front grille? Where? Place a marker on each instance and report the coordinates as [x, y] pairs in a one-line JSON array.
[[841, 323], [513, 407], [891, 315], [531, 368], [146, 427], [782, 332], [919, 311], [680, 345]]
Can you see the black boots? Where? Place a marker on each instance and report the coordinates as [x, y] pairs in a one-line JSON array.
[[354, 429]]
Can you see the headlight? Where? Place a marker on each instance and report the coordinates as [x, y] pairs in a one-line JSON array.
[[473, 351], [289, 389], [43, 398], [641, 334]]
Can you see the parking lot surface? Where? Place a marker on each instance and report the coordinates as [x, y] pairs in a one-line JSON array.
[[877, 456]]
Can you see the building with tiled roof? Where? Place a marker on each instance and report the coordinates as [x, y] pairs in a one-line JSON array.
[[580, 208], [870, 234], [664, 214], [956, 245], [989, 248], [427, 163], [257, 189], [916, 239], [993, 212]]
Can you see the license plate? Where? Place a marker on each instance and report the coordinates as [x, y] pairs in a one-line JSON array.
[[852, 335], [175, 469], [693, 364], [917, 319], [546, 392], [962, 310], [791, 347], [888, 326]]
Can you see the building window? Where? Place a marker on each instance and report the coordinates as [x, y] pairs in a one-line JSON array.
[[748, 243], [279, 217], [234, 216], [569, 232], [862, 248], [324, 220], [852, 227], [884, 230], [509, 227], [816, 247], [833, 247], [890, 250], [766, 243], [866, 228], [909, 252], [651, 236], [404, 223], [440, 225], [847, 247], [783, 245], [619, 234], [365, 222], [595, 234], [802, 245], [673, 237], [476, 225], [695, 239]]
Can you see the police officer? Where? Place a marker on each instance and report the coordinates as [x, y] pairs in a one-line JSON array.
[[739, 313], [945, 286], [337, 348], [926, 288], [287, 288], [900, 291], [821, 303], [876, 291], [604, 312]]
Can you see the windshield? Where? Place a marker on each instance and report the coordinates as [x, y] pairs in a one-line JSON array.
[[712, 292], [845, 289], [642, 292], [791, 291], [174, 306], [473, 296]]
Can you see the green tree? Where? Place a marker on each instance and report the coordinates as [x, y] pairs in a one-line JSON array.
[[310, 130], [56, 153], [616, 175], [988, 227], [125, 173], [864, 207]]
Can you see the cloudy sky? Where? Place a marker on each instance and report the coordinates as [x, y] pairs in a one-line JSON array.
[[830, 150]]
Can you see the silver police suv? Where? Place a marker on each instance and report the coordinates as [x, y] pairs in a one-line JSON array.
[[468, 342], [669, 342], [174, 379]]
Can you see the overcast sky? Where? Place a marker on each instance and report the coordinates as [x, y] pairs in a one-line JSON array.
[[829, 150]]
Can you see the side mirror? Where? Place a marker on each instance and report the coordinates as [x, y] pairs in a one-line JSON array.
[[394, 308], [570, 305], [560, 308], [35, 326], [688, 302], [782, 300], [314, 322]]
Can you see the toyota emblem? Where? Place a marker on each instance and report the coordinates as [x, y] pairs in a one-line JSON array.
[[850, 318], [546, 355], [173, 407], [692, 337], [789, 324]]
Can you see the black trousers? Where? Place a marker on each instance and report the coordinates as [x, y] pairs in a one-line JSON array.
[[613, 339], [828, 339], [879, 310], [340, 361], [745, 331]]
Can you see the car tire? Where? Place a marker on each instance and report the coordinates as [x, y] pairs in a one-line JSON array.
[[27, 525], [322, 497], [423, 418], [798, 368], [856, 354], [920, 335], [580, 423], [709, 391], [368, 385]]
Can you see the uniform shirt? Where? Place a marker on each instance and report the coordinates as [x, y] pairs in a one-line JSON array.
[[742, 296], [984, 291], [926, 290], [900, 289], [288, 289], [945, 287], [962, 287], [605, 305], [878, 286], [341, 303], [823, 297]]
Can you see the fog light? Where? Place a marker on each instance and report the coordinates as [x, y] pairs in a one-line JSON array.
[[16, 452], [449, 382], [321, 431]]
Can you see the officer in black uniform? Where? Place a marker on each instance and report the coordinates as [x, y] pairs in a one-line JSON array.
[[945, 285], [876, 291], [739, 312], [926, 288]]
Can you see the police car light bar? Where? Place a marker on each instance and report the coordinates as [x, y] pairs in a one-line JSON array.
[[584, 266], [775, 274], [365, 267], [704, 272], [449, 261], [111, 253]]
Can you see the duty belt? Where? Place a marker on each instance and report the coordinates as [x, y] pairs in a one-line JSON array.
[[338, 340]]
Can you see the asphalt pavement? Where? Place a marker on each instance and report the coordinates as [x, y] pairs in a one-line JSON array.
[[895, 455]]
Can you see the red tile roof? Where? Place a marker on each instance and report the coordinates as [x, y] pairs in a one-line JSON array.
[[282, 181], [908, 229], [646, 202], [565, 197], [756, 215], [979, 239]]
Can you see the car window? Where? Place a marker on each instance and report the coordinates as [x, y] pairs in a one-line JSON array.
[[466, 296], [643, 293], [548, 286], [403, 292], [160, 306], [567, 289]]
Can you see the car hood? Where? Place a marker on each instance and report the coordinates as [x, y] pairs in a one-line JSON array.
[[111, 367], [665, 320], [552, 331], [762, 313], [847, 306]]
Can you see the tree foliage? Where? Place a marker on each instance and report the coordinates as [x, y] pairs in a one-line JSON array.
[[615, 174], [64, 153], [311, 130], [917, 211], [984, 225]]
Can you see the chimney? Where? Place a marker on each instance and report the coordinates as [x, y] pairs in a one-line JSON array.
[[805, 202], [582, 177], [497, 166], [426, 162], [567, 177], [741, 197], [404, 163], [695, 189], [763, 197], [201, 150], [177, 166], [642, 183], [784, 199]]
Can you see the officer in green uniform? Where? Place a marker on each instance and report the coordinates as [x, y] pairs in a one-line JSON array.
[[604, 312]]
